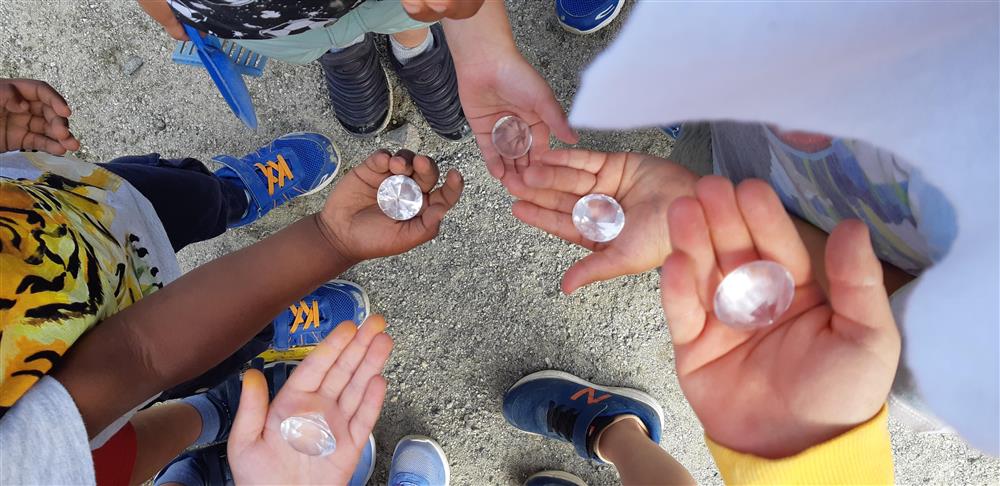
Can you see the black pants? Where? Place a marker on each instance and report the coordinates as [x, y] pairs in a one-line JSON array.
[[192, 203]]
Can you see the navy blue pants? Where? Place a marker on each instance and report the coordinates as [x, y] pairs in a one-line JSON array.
[[192, 203]]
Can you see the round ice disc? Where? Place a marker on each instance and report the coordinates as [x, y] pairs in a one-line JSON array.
[[512, 137], [754, 295], [598, 217], [400, 197], [309, 434]]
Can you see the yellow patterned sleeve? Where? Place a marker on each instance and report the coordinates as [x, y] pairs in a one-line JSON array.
[[862, 455]]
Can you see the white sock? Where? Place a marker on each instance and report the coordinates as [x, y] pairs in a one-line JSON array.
[[349, 44], [404, 54]]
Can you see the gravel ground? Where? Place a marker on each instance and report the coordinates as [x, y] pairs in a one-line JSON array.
[[472, 311]]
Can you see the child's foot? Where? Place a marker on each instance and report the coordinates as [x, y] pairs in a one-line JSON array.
[[292, 165], [433, 85], [554, 478], [587, 16], [560, 406], [418, 461], [358, 87], [314, 316]]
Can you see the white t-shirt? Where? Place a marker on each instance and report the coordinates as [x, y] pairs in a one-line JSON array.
[[917, 79]]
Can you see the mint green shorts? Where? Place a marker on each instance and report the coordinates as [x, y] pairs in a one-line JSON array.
[[385, 17]]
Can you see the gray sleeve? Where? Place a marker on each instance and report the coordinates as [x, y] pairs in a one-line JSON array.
[[43, 439]]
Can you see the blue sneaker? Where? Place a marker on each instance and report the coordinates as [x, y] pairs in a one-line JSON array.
[[587, 16], [675, 132], [313, 317], [558, 405], [419, 461], [554, 478], [293, 165], [366, 465]]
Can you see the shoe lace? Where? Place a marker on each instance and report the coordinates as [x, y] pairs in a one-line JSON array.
[[276, 172], [305, 314], [561, 420]]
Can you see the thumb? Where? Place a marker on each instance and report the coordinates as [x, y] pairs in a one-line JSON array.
[[857, 291], [597, 266], [11, 100], [551, 112], [251, 414]]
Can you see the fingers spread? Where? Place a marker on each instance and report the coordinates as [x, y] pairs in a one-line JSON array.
[[856, 288], [730, 236], [556, 223], [774, 235], [251, 414], [370, 367], [367, 414], [341, 372], [311, 372], [564, 179]]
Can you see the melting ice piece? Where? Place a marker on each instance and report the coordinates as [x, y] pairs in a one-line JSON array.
[[598, 217], [309, 434], [512, 137], [754, 295], [400, 197]]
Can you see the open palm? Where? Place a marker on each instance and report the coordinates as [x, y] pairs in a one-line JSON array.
[[828, 362], [358, 227], [644, 186], [341, 379]]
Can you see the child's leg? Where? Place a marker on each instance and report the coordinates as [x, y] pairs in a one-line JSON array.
[[192, 203], [626, 444]]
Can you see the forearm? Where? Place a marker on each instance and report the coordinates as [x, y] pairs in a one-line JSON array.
[[195, 322], [481, 37]]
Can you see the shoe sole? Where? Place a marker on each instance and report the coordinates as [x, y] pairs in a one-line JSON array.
[[388, 116], [600, 26], [364, 296], [435, 445], [563, 475], [371, 467], [562, 375]]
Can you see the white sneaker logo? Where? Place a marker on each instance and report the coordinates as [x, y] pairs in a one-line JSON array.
[[605, 13]]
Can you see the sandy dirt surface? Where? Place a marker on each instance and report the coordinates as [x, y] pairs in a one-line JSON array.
[[472, 311]]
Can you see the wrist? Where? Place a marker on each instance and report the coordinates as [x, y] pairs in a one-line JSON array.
[[338, 249]]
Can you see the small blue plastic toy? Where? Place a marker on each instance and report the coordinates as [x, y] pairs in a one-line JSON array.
[[226, 63]]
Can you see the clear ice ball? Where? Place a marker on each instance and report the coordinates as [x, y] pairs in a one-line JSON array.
[[598, 217], [512, 137], [400, 197], [309, 434], [754, 295]]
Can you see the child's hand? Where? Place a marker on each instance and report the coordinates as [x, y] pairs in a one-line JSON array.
[[342, 379], [33, 116], [359, 229], [434, 10], [823, 368], [644, 186], [159, 11]]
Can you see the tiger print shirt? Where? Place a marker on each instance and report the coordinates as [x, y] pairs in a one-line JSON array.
[[77, 244]]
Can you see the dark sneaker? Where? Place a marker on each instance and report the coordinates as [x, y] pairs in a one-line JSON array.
[[554, 478], [560, 406], [359, 88], [433, 85]]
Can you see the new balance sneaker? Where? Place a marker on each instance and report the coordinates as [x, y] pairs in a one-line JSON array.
[[293, 165], [433, 85], [419, 461], [358, 87], [560, 406], [307, 322], [587, 16], [554, 478]]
